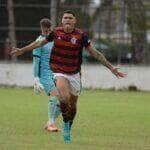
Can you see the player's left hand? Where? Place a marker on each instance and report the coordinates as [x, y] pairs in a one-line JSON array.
[[16, 51], [38, 87], [117, 73]]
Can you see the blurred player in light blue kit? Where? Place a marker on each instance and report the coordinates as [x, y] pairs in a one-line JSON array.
[[43, 76]]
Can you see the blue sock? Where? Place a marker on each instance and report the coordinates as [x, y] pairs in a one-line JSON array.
[[66, 132], [53, 109]]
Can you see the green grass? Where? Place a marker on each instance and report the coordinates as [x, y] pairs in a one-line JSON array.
[[106, 120]]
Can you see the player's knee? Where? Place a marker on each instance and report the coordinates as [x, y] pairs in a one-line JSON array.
[[66, 97], [63, 96]]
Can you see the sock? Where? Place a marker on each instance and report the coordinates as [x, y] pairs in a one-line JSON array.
[[53, 109]]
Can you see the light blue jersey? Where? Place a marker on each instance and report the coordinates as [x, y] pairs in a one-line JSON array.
[[41, 58]]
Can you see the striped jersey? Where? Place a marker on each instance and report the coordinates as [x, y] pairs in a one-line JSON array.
[[66, 54]]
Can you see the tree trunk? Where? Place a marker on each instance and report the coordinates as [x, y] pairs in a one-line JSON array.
[[11, 22], [53, 12], [121, 26]]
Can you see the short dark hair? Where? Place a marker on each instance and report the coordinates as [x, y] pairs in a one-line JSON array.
[[69, 12], [45, 22]]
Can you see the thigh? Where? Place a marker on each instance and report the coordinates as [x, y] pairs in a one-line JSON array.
[[74, 82], [48, 84], [47, 80], [63, 86]]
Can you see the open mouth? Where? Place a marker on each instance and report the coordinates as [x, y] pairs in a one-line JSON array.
[[67, 23]]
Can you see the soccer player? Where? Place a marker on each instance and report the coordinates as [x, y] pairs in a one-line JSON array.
[[65, 62], [43, 75]]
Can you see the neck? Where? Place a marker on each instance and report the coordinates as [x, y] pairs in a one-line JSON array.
[[68, 30]]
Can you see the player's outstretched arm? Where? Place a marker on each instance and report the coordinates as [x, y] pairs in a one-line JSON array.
[[38, 87], [19, 51], [99, 56]]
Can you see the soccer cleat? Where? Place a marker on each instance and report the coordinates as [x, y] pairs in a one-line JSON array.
[[66, 131], [51, 128]]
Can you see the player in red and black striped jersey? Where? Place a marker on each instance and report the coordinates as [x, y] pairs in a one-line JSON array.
[[66, 56], [66, 59]]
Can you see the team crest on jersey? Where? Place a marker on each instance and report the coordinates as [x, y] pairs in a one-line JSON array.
[[59, 38], [73, 40]]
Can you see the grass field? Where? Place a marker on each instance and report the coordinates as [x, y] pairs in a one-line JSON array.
[[106, 120]]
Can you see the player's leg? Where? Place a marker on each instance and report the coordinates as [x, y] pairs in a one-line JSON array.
[[63, 86], [67, 124], [53, 105], [70, 87], [73, 108], [75, 84], [53, 112]]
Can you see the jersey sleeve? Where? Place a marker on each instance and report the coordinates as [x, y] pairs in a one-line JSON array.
[[36, 61], [85, 40], [50, 37]]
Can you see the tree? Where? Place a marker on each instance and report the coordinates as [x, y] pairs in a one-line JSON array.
[[11, 22], [53, 11], [136, 20]]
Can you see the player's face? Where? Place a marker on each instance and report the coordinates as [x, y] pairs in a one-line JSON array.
[[68, 21], [45, 31]]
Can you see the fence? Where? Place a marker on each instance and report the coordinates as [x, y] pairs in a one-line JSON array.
[[106, 25]]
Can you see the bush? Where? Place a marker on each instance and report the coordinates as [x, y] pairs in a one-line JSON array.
[[114, 52]]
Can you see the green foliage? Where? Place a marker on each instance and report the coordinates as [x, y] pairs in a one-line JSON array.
[[111, 50], [136, 20]]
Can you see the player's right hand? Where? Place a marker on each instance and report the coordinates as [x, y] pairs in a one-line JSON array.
[[38, 87], [117, 73], [16, 51]]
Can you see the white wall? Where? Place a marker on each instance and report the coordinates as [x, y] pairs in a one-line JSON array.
[[93, 76], [100, 77]]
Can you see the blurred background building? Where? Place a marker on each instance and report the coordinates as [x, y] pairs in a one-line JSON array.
[[120, 28]]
